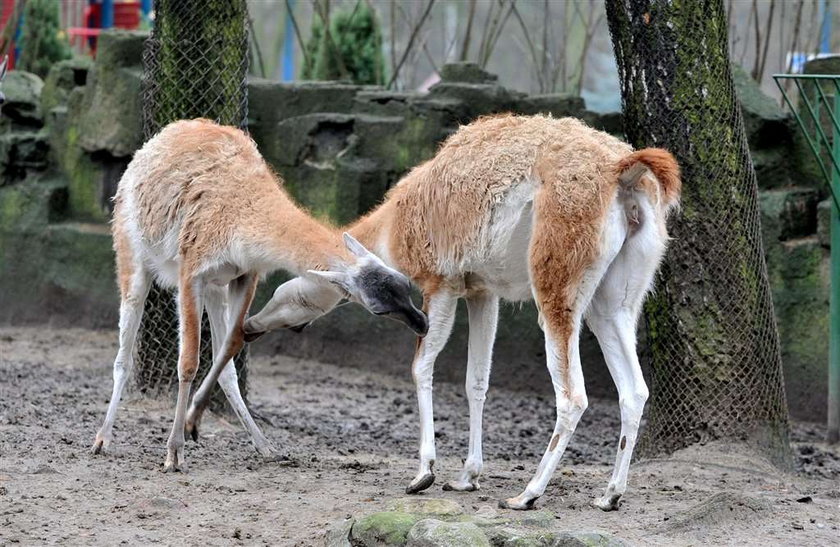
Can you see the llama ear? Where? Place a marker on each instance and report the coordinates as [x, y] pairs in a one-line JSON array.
[[339, 279], [354, 246]]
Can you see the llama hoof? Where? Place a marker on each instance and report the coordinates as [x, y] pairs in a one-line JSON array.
[[608, 503], [174, 467], [461, 486], [175, 462], [191, 425], [100, 445], [269, 455], [191, 431], [517, 503], [420, 483]]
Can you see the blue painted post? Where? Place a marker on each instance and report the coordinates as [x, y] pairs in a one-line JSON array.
[[145, 8], [18, 34], [107, 14], [825, 27], [289, 46]]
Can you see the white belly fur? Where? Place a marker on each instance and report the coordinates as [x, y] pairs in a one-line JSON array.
[[501, 265]]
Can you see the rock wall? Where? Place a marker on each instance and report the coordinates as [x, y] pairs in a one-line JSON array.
[[65, 142]]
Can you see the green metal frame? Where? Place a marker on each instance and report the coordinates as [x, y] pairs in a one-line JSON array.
[[831, 171]]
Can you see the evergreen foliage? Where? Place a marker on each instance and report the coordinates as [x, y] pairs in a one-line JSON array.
[[42, 42], [352, 50]]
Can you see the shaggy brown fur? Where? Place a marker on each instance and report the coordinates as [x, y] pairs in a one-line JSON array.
[[221, 189], [436, 214]]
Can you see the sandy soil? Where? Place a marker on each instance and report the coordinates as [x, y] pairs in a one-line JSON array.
[[350, 438]]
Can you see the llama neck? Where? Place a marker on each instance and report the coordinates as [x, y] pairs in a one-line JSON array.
[[373, 231], [299, 242]]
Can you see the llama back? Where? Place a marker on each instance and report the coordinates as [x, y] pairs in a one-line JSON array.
[[454, 209], [192, 172]]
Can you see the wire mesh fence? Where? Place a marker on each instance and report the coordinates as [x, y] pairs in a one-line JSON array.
[[714, 348], [195, 65]]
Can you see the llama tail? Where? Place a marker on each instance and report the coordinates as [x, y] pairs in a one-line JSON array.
[[632, 168]]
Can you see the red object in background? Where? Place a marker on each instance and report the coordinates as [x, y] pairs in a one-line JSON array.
[[126, 16], [8, 6]]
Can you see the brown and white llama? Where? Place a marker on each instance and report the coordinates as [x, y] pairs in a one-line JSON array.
[[516, 208], [199, 210]]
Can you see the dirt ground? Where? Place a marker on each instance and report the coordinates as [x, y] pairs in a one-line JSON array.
[[350, 437]]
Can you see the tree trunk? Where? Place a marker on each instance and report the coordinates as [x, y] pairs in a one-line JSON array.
[[196, 62], [715, 357]]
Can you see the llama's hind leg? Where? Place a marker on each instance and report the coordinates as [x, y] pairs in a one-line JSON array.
[[134, 287], [563, 361], [483, 317], [564, 283], [612, 317]]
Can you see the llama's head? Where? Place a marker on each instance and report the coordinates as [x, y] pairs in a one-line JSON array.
[[370, 282], [3, 66]]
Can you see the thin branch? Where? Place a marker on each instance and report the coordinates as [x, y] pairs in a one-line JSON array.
[[393, 38], [298, 35], [794, 43], [531, 48], [429, 56], [757, 59], [496, 32], [465, 45], [587, 42], [323, 11], [411, 39], [763, 63], [255, 43]]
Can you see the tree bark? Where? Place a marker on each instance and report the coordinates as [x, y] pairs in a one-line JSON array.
[[715, 357], [196, 64]]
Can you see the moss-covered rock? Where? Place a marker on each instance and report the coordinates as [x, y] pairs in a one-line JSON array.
[[382, 102], [557, 104], [824, 222], [338, 535], [63, 78], [386, 528], [466, 72], [770, 133], [788, 214], [466, 101], [799, 278], [111, 118], [437, 533], [22, 152], [23, 98], [427, 506]]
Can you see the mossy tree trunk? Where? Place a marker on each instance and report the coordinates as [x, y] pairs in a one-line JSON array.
[[716, 365], [196, 63]]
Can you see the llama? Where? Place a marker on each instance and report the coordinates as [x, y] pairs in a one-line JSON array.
[[514, 208], [198, 209], [3, 66]]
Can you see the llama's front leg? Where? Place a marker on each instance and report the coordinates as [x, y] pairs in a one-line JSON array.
[[483, 317], [131, 312], [441, 313], [567, 378], [189, 310]]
